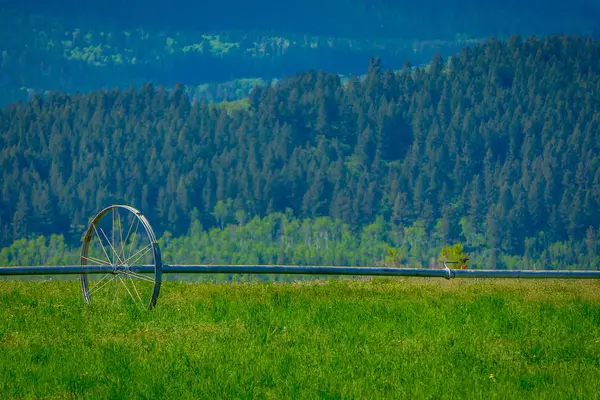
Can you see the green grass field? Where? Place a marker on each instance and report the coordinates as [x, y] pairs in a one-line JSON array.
[[381, 338]]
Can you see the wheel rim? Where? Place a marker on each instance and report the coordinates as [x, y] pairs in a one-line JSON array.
[[120, 236]]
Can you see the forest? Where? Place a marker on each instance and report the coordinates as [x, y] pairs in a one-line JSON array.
[[216, 49], [41, 53], [496, 147]]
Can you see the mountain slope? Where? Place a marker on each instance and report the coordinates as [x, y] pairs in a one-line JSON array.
[[497, 145]]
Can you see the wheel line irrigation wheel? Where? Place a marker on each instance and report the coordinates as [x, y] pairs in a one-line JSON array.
[[119, 237]]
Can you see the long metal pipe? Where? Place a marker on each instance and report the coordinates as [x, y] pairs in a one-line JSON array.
[[524, 274], [57, 270], [302, 270]]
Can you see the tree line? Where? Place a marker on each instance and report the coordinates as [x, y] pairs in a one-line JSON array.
[[281, 238]]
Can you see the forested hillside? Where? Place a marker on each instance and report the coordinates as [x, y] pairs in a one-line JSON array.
[[40, 53], [78, 46], [498, 147]]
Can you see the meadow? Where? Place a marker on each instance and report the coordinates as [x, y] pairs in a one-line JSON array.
[[338, 338]]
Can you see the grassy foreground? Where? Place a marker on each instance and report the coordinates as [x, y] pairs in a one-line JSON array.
[[378, 338]]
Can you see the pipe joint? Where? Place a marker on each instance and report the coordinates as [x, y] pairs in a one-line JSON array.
[[449, 271]]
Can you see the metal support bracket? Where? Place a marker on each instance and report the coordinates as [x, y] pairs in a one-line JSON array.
[[449, 271]]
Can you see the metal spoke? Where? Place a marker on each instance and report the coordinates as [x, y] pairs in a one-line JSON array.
[[126, 288], [136, 291], [111, 246], [113, 235], [100, 240], [144, 249], [100, 281], [120, 232], [95, 260], [98, 287], [136, 275], [132, 247], [116, 292], [128, 232]]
